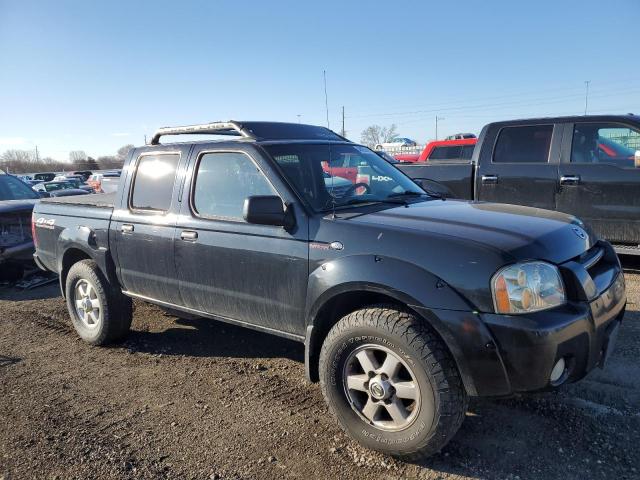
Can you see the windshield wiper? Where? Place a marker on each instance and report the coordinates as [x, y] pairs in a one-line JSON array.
[[363, 201], [417, 194]]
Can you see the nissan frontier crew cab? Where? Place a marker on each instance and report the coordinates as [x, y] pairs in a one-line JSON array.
[[407, 303]]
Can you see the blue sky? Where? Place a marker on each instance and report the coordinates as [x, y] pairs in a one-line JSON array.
[[84, 75]]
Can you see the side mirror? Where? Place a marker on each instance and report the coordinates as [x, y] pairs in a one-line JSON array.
[[44, 194], [266, 210], [636, 159]]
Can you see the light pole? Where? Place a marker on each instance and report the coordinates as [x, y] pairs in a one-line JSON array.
[[437, 120]]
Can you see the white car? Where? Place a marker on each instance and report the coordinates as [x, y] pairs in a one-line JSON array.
[[398, 142]]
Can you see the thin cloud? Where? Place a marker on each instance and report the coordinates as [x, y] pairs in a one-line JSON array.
[[13, 141]]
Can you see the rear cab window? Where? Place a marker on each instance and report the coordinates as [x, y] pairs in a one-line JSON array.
[[523, 144], [453, 152], [152, 188]]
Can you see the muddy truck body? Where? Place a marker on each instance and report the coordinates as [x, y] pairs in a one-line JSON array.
[[407, 303]]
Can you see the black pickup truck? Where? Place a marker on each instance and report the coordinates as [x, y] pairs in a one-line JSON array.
[[587, 166], [406, 303]]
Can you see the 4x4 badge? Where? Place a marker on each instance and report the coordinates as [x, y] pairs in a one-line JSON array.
[[580, 233]]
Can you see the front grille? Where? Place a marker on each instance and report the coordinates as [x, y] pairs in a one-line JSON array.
[[591, 273], [591, 257]]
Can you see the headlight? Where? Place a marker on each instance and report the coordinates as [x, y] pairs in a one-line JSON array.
[[527, 287]]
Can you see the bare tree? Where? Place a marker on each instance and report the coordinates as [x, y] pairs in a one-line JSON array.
[[78, 156], [17, 156], [123, 152], [24, 161], [375, 134], [109, 162]]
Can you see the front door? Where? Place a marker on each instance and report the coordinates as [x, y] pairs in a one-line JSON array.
[[600, 179], [254, 274], [522, 168]]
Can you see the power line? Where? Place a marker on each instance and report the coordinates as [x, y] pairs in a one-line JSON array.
[[489, 105], [630, 82]]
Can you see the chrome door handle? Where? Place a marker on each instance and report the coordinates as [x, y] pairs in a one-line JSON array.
[[489, 179], [126, 228], [189, 236], [570, 180]]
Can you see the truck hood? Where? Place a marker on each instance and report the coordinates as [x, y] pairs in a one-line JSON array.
[[521, 232]]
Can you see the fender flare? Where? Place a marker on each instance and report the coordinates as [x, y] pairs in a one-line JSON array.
[[85, 240], [409, 285]]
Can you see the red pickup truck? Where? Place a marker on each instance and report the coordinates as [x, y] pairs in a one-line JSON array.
[[442, 150]]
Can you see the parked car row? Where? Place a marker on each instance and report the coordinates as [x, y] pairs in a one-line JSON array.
[[18, 195]]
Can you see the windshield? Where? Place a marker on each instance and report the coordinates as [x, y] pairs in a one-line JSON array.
[[13, 189], [54, 186], [335, 176]]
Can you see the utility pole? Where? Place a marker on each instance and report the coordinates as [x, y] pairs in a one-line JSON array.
[[298, 115], [326, 102], [586, 95], [37, 156], [437, 120], [343, 133]]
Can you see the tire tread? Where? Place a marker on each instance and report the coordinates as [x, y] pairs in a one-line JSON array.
[[451, 408]]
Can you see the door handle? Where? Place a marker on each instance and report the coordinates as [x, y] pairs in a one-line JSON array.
[[570, 180], [489, 179], [126, 228], [189, 236]]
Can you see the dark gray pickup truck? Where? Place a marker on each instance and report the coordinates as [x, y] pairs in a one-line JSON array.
[[406, 303], [587, 166]]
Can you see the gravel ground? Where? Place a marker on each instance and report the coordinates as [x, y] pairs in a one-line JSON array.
[[201, 399]]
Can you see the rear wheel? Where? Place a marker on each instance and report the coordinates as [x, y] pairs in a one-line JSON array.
[[100, 313], [391, 382]]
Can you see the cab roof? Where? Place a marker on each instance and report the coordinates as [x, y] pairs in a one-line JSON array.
[[253, 131]]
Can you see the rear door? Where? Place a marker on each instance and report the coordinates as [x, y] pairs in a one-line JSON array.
[[254, 274], [522, 166], [144, 224], [600, 179]]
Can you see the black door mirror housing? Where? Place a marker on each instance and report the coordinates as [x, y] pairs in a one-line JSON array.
[[266, 210]]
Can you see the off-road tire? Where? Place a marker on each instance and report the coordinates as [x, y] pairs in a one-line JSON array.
[[442, 396], [116, 310]]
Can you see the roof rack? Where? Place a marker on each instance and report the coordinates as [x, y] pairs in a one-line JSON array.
[[215, 128]]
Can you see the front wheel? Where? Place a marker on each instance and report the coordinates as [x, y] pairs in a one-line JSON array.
[[391, 382], [100, 313]]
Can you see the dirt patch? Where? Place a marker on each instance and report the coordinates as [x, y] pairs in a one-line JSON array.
[[201, 399]]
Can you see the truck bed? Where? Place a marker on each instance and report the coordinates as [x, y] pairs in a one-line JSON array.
[[451, 179], [99, 200]]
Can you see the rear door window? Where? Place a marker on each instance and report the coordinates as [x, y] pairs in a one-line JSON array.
[[526, 144], [153, 182]]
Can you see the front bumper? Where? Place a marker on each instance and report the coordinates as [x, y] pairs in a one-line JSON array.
[[503, 354], [582, 334]]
